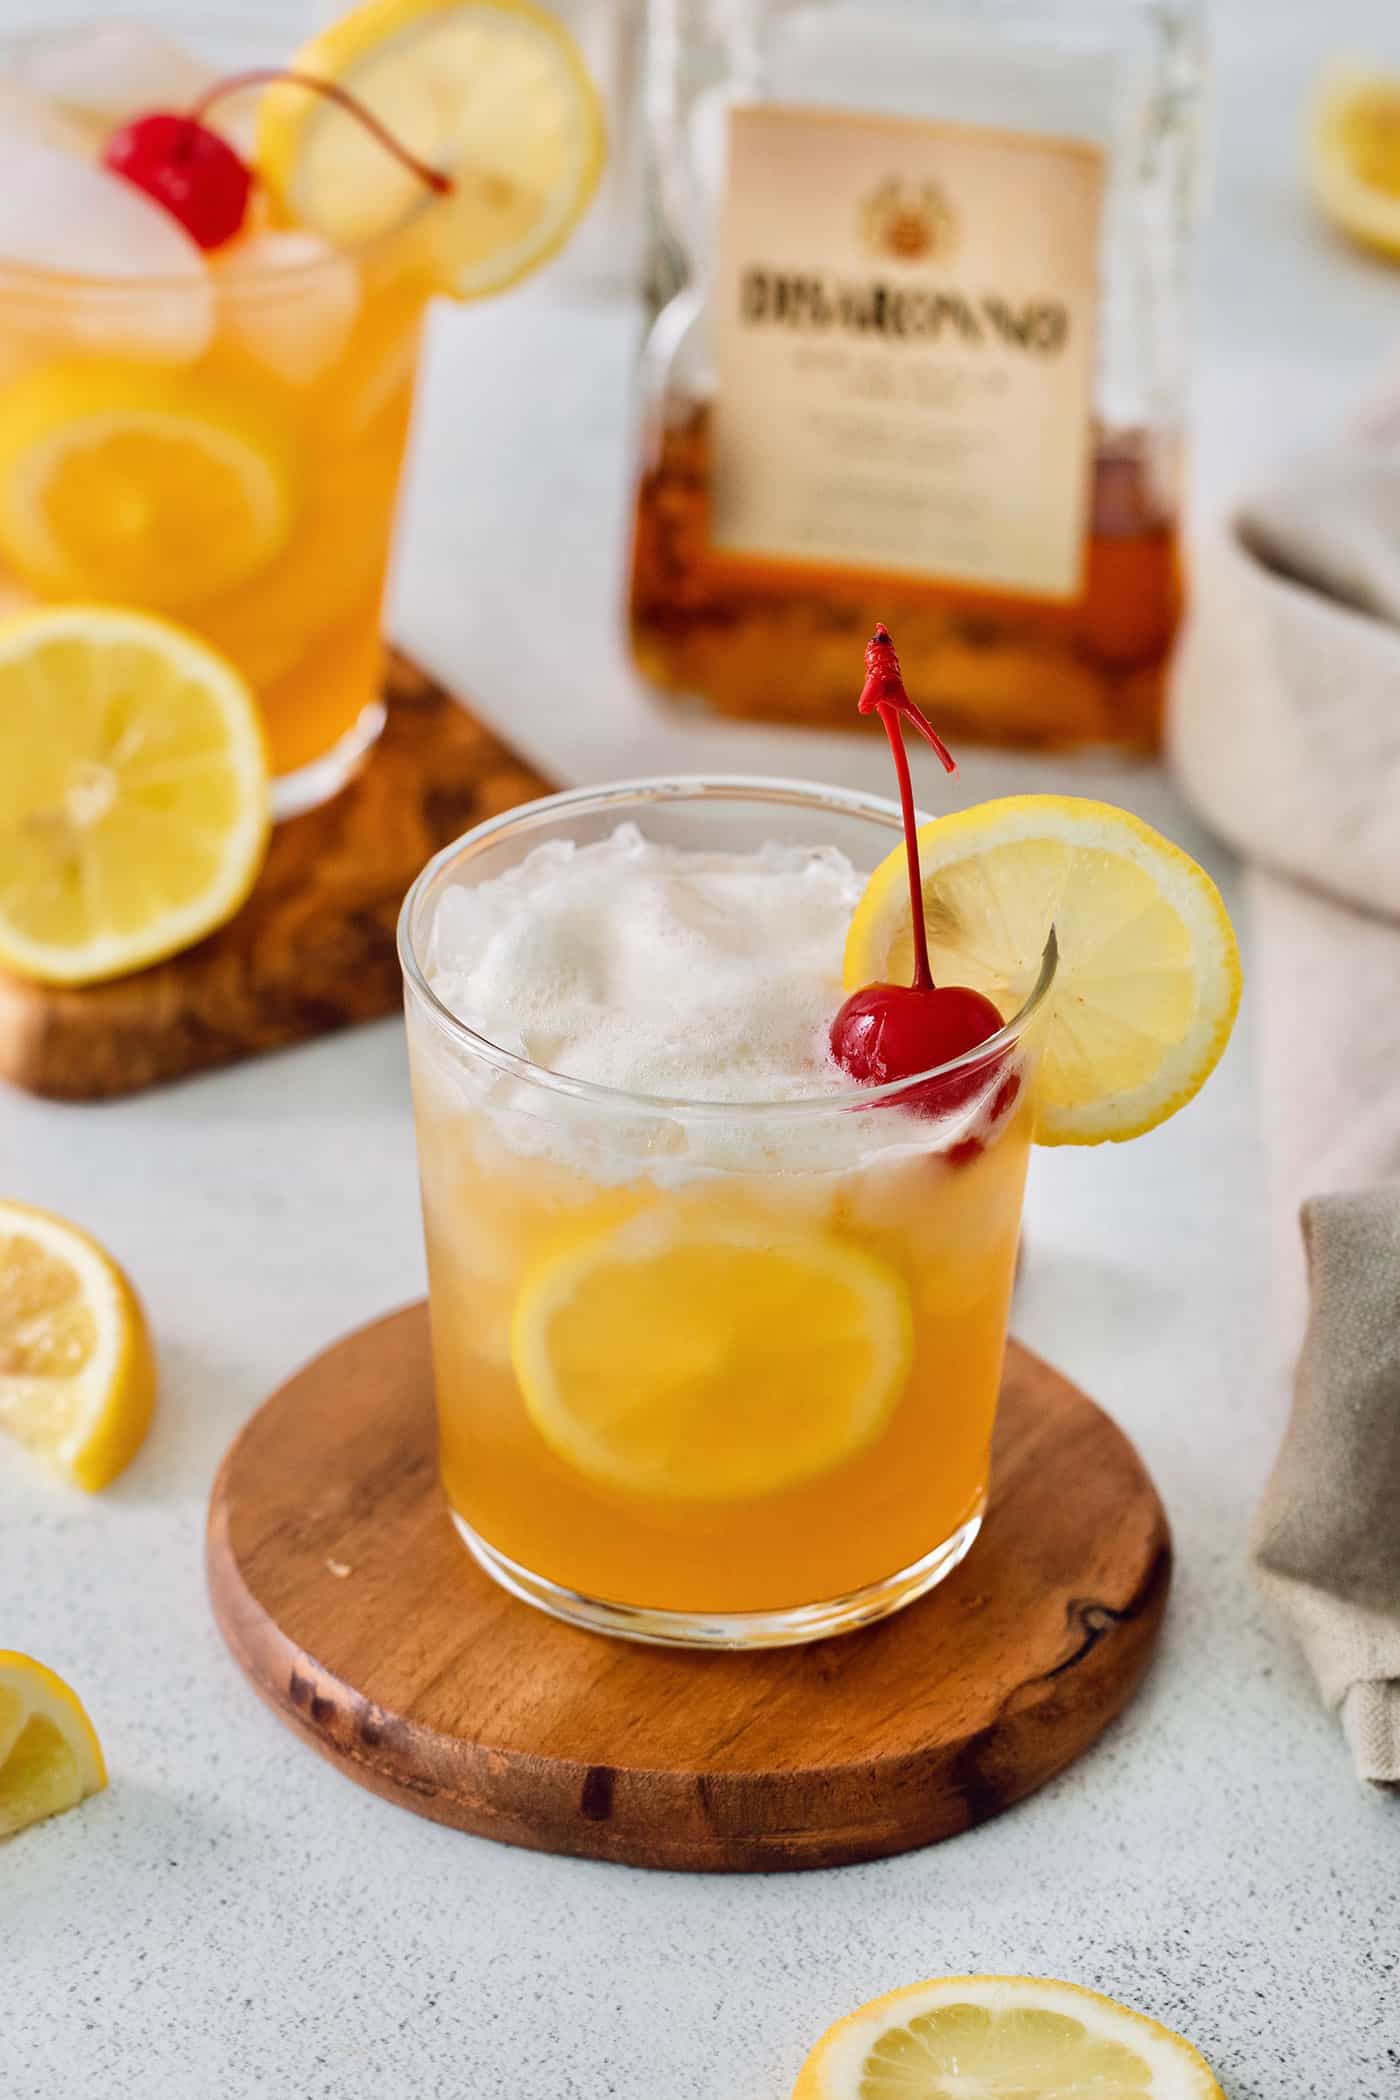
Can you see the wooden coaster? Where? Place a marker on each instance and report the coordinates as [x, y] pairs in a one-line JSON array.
[[313, 948], [355, 1611]]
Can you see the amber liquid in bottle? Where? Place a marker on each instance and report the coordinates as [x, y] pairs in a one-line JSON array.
[[995, 667]]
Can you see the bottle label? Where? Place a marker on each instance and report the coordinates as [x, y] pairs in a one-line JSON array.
[[904, 345]]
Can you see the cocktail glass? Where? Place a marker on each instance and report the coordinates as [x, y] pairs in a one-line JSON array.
[[224, 449], [751, 1526]]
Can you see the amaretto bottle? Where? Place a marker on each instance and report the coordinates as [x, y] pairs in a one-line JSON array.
[[920, 275]]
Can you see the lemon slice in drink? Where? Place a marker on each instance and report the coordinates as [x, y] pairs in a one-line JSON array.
[[993, 2037], [125, 483], [493, 93], [667, 1358], [1354, 152], [50, 1758], [77, 1376], [133, 792], [1148, 981]]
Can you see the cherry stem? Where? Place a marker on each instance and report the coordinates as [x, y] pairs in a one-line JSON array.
[[883, 694], [267, 76]]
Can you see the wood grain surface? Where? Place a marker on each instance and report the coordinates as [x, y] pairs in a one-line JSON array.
[[348, 1600], [312, 949]]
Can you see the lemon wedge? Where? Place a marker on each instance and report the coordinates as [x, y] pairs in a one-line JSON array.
[[1148, 981], [77, 1376], [493, 93], [133, 792], [50, 1758], [1001, 2038], [121, 482], [1354, 151], [710, 1364]]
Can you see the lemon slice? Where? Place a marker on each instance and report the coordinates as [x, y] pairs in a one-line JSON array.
[[1148, 981], [77, 1377], [1001, 2038], [1354, 151], [669, 1359], [133, 792], [50, 1758], [125, 483], [492, 92]]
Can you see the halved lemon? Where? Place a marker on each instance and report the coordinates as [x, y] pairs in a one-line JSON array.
[[1354, 151], [50, 1758], [493, 93], [133, 792], [1148, 981], [1001, 2038], [121, 482], [702, 1363], [77, 1375]]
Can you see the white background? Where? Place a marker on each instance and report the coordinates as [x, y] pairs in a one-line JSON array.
[[232, 1917]]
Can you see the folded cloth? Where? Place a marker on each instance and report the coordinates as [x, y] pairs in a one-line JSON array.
[[1285, 733], [1327, 1536]]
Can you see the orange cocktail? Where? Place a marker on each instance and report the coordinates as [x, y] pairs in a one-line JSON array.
[[237, 472], [215, 260], [713, 1368]]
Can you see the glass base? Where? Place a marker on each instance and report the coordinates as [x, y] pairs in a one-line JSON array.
[[315, 783], [737, 1629]]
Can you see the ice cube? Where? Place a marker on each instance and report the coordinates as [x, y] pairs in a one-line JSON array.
[[384, 384], [290, 299], [115, 69], [71, 217], [24, 114]]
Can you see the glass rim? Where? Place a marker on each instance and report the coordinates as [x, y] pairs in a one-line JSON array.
[[686, 787], [39, 281]]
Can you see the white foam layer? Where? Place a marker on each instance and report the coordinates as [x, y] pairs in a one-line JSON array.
[[698, 976], [702, 978]]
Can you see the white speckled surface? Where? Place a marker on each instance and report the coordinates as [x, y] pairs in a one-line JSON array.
[[232, 1917]]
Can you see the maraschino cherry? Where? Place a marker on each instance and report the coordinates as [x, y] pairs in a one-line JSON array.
[[895, 1031], [201, 179]]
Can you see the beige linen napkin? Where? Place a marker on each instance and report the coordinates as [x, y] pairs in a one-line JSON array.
[[1285, 731], [1325, 1540]]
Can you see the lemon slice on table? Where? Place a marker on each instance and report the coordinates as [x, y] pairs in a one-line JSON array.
[[124, 483], [1148, 981], [1354, 151], [50, 1758], [493, 93], [667, 1358], [133, 792], [1001, 2038], [77, 1376]]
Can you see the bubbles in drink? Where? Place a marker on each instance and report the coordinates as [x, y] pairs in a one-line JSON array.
[[698, 975]]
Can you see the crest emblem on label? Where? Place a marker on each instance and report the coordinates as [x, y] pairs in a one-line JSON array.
[[910, 222]]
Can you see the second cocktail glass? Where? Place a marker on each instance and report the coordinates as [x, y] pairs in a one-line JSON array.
[[641, 1496], [221, 445]]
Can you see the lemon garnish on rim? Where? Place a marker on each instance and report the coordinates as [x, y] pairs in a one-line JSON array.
[[50, 1758], [1354, 151], [77, 1376], [1001, 2038], [121, 482], [133, 792], [710, 1363], [1148, 980], [493, 93]]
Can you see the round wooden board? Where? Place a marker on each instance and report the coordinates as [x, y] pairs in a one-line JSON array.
[[352, 1606]]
